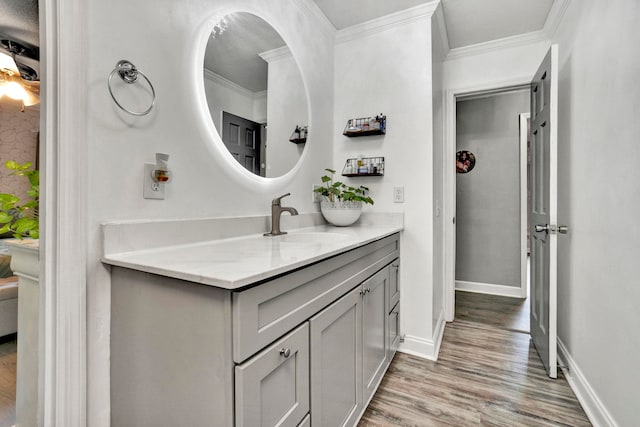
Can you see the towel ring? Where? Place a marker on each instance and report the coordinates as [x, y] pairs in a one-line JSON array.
[[129, 74]]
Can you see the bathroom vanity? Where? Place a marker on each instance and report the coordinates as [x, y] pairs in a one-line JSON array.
[[290, 330]]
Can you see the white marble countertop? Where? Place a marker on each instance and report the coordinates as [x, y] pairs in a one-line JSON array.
[[232, 263]]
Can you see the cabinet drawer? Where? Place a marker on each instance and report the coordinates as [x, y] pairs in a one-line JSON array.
[[272, 388], [394, 284], [265, 312]]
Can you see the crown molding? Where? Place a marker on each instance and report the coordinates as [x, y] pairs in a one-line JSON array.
[[276, 54], [441, 28], [217, 78], [313, 11], [499, 44], [555, 16], [386, 22]]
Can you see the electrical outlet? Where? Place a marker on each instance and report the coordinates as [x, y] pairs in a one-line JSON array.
[[315, 197], [398, 194], [151, 189]]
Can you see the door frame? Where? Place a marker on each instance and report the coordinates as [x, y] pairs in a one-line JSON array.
[[64, 215], [449, 170], [524, 206]]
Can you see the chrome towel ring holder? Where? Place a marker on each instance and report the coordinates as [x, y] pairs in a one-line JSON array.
[[129, 74]]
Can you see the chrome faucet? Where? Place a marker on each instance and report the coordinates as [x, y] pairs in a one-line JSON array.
[[276, 212]]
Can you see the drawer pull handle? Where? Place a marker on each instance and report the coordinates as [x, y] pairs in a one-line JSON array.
[[286, 352]]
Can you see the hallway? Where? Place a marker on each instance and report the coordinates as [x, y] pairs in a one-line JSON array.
[[487, 373]]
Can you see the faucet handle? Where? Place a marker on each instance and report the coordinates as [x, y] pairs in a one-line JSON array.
[[276, 201]]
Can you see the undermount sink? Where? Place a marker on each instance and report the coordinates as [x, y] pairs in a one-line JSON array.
[[312, 237]]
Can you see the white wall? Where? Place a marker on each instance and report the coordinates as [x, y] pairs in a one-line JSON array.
[[390, 72], [224, 95], [495, 67], [166, 40], [599, 193], [287, 108]]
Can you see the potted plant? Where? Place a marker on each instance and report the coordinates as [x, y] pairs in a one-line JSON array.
[[341, 204], [21, 218]]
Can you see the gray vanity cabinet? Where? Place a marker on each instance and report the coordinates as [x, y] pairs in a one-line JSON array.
[[394, 330], [393, 305], [374, 332], [394, 284], [336, 352], [307, 347], [272, 388], [349, 352]]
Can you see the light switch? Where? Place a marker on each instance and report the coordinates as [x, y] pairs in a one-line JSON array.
[[398, 194]]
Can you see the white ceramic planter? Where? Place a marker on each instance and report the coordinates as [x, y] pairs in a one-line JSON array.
[[341, 213]]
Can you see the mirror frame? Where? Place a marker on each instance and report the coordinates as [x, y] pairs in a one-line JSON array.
[[221, 154]]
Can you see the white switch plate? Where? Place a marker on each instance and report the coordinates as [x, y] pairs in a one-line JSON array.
[[151, 189], [398, 194]]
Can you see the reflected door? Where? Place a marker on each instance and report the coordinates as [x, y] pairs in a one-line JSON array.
[[242, 139]]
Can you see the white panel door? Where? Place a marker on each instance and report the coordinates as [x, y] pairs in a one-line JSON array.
[[544, 210]]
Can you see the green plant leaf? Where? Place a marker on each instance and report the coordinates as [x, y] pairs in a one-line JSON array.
[[325, 179], [5, 218], [330, 171], [25, 225]]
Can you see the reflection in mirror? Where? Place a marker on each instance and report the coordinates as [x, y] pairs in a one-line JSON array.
[[255, 94]]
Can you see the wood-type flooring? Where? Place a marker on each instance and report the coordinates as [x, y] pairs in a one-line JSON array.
[[487, 374], [8, 382]]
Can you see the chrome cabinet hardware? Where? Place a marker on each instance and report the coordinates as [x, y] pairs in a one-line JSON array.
[[563, 229], [286, 352]]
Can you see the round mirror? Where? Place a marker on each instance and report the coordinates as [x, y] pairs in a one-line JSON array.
[[255, 94]]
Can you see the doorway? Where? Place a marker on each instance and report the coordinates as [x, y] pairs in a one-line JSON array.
[[456, 278], [491, 195]]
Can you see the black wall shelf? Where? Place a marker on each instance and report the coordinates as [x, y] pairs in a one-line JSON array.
[[364, 166], [365, 126]]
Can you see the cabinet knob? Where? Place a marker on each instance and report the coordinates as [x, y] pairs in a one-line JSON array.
[[286, 352], [367, 290]]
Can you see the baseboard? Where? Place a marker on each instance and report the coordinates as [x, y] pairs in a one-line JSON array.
[[419, 347], [489, 288], [425, 348], [439, 333], [593, 407]]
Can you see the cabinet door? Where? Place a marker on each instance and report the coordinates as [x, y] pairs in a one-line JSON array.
[[374, 331], [336, 372], [394, 284], [272, 388], [394, 331]]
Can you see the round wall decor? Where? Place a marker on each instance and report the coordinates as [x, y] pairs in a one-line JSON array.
[[465, 161]]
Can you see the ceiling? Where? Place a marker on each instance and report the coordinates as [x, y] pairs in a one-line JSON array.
[[234, 53], [467, 22], [19, 34]]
